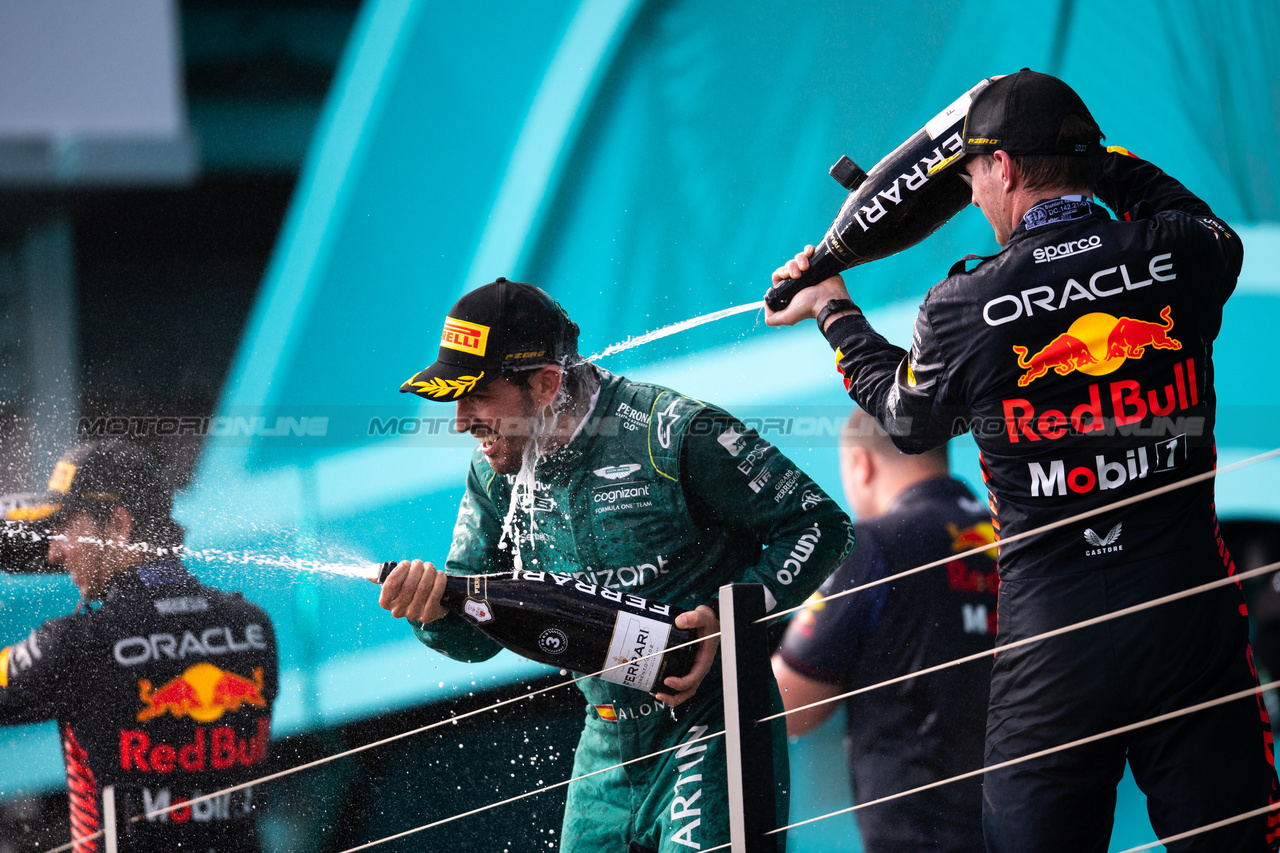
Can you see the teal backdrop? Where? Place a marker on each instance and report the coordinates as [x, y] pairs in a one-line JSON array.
[[645, 162]]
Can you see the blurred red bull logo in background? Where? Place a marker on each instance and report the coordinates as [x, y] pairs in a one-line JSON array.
[[804, 620], [1096, 344], [961, 577], [210, 748], [203, 692], [968, 538]]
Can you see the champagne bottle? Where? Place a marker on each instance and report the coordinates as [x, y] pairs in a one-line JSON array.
[[24, 533], [584, 627], [894, 206]]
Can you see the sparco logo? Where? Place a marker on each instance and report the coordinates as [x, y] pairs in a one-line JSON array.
[[553, 641], [1065, 250]]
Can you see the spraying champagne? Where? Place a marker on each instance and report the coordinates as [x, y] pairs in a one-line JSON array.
[[894, 206], [561, 621]]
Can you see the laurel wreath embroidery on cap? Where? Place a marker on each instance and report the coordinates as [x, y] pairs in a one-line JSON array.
[[438, 387]]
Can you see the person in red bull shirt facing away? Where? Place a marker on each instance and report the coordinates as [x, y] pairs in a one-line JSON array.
[[909, 513], [161, 686], [1080, 357]]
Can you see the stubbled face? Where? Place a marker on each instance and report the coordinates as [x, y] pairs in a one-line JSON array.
[[77, 545], [988, 195], [502, 417]]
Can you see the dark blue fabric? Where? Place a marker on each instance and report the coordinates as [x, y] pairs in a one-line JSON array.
[[162, 573], [927, 728]]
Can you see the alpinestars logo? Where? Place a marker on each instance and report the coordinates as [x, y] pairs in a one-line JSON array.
[[1102, 544], [617, 472], [666, 420]]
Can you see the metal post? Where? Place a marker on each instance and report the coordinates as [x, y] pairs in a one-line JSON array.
[[749, 744], [110, 836]]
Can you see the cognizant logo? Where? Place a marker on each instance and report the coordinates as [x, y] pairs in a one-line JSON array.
[[621, 493]]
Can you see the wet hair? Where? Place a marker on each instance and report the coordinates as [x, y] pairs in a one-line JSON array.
[[1065, 171], [580, 380]]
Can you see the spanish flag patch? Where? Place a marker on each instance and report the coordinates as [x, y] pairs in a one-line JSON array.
[[606, 713]]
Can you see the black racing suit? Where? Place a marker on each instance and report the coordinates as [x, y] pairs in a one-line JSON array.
[[928, 728], [1081, 358], [164, 691]]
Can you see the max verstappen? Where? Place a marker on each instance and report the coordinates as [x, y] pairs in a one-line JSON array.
[[1080, 356], [160, 686]]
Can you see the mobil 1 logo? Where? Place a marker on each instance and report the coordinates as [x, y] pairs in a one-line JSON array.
[[1170, 453], [1107, 472]]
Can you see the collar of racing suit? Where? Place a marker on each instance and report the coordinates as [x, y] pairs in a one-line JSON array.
[[149, 575], [1066, 208]]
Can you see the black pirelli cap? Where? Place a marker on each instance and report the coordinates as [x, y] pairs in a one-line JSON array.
[[503, 325]]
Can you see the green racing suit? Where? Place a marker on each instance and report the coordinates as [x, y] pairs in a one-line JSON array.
[[663, 496]]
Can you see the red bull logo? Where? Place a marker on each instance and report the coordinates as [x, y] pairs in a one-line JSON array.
[[1120, 403], [977, 536], [203, 692], [215, 748], [806, 619], [960, 576], [1096, 344]]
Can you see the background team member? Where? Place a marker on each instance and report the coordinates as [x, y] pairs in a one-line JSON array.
[[160, 685], [633, 487], [910, 512], [1081, 355]]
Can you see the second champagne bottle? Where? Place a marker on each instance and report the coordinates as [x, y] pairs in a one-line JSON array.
[[583, 627]]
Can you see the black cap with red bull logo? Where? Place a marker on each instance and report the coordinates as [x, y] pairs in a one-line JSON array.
[[503, 325]]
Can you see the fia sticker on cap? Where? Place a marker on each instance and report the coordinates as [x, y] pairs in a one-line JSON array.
[[63, 473], [465, 337]]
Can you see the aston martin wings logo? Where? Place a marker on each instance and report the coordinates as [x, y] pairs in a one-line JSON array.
[[1099, 541]]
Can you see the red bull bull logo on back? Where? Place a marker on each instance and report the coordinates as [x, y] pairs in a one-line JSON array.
[[1096, 344], [203, 692]]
